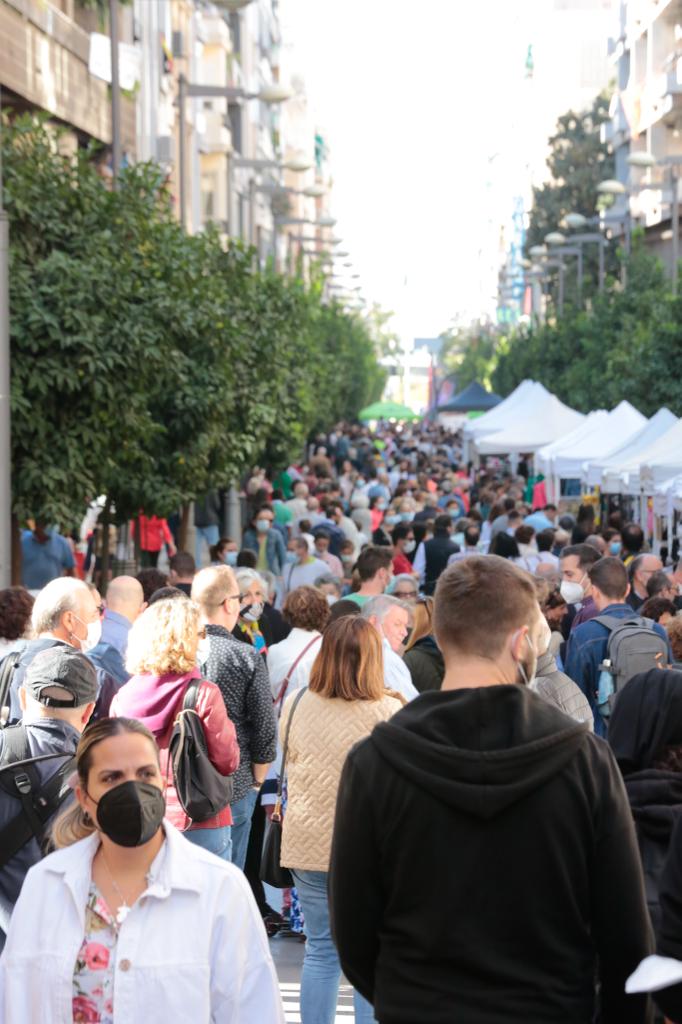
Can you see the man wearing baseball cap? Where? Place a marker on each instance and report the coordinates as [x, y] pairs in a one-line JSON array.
[[57, 697]]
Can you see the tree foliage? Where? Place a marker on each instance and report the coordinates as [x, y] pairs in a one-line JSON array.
[[578, 160], [625, 348], [148, 364]]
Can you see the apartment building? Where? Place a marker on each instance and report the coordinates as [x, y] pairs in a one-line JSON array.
[[46, 56], [646, 113]]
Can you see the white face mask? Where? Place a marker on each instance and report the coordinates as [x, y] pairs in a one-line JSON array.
[[528, 678], [545, 636], [571, 591], [253, 612], [94, 634], [409, 547]]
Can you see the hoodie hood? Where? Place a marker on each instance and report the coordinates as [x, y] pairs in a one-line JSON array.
[[646, 718], [656, 802], [479, 750], [153, 699]]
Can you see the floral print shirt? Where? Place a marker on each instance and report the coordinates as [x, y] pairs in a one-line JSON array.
[[93, 978]]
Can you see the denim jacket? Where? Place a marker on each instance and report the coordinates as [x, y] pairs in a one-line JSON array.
[[587, 646], [275, 551]]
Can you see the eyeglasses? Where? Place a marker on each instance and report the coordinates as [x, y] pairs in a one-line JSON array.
[[100, 609], [404, 593], [235, 597]]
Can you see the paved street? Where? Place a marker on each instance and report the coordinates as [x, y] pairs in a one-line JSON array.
[[288, 956]]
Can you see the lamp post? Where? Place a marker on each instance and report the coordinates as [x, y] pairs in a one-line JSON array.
[[273, 93], [115, 92], [5, 424]]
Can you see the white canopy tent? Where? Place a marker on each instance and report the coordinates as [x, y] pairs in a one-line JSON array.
[[622, 423], [629, 477], [611, 473], [545, 455], [499, 417], [534, 424], [662, 460]]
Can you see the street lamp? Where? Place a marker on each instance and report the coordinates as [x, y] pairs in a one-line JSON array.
[[647, 160], [275, 92]]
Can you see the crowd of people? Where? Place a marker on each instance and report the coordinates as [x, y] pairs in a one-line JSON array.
[[452, 711]]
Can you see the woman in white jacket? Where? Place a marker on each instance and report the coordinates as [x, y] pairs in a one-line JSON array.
[[128, 922]]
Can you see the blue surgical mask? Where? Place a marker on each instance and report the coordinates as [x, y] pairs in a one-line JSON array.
[[230, 557], [407, 517], [392, 520], [615, 547], [290, 557], [262, 525]]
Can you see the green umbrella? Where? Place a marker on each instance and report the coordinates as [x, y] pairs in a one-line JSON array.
[[387, 411]]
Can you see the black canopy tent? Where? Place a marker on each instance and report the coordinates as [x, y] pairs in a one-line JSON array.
[[474, 398]]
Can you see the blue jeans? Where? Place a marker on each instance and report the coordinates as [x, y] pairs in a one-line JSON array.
[[242, 812], [321, 968], [211, 534], [215, 840]]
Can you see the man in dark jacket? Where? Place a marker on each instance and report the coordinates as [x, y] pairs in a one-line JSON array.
[[432, 556], [484, 863], [240, 674], [57, 697], [588, 644]]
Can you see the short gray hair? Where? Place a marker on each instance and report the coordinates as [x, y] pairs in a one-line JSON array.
[[57, 597], [329, 580], [379, 607], [245, 577]]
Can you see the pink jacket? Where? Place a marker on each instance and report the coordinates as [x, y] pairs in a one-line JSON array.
[[155, 701]]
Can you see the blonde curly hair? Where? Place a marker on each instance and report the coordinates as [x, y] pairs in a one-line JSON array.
[[164, 638]]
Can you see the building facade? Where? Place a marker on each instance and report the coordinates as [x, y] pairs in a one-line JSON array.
[[646, 115]]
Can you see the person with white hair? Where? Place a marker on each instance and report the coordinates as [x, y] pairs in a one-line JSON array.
[[390, 618], [259, 623], [64, 613]]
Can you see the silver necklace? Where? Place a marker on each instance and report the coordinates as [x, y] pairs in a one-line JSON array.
[[124, 908]]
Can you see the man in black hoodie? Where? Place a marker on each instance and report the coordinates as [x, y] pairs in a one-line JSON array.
[[484, 865]]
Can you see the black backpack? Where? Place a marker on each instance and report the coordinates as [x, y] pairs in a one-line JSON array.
[[40, 799], [202, 791], [7, 667]]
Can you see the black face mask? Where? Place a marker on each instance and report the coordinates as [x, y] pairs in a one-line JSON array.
[[130, 814]]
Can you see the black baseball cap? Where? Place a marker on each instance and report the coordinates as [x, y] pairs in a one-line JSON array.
[[66, 668]]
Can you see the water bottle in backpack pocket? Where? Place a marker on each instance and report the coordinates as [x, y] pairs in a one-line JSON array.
[[633, 646]]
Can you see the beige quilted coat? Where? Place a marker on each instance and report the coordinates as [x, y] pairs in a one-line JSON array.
[[322, 732]]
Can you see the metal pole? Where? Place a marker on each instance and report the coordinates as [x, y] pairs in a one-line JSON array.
[[602, 243], [230, 194], [675, 226], [560, 304], [115, 92], [5, 436], [580, 274], [182, 93], [252, 211]]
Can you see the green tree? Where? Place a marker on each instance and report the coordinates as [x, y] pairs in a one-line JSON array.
[[578, 160]]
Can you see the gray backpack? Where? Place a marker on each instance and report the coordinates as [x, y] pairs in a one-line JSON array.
[[634, 646]]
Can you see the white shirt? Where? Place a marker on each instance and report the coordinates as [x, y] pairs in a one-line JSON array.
[[193, 947], [419, 564], [297, 575], [397, 675], [281, 657], [549, 559]]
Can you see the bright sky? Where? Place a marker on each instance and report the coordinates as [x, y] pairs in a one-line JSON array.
[[414, 97]]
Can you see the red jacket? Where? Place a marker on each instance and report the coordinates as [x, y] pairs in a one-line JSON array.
[[155, 701], [154, 532]]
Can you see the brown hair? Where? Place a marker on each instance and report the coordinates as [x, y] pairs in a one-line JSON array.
[[524, 534], [306, 608], [610, 576], [674, 631], [73, 823], [654, 607], [423, 621], [350, 664], [479, 601], [16, 605], [372, 559]]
